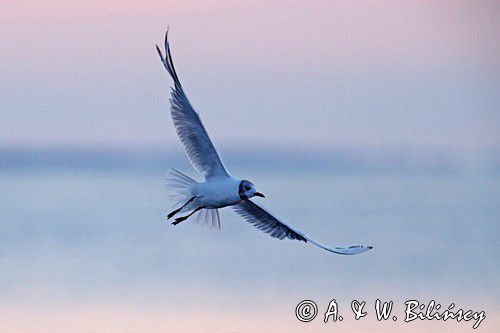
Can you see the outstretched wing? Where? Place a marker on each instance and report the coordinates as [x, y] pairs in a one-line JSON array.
[[264, 221], [200, 150]]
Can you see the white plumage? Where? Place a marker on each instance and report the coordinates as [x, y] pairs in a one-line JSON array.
[[219, 188]]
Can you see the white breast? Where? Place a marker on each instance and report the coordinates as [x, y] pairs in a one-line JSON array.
[[217, 193]]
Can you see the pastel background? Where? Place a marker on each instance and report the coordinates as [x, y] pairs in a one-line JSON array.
[[364, 122]]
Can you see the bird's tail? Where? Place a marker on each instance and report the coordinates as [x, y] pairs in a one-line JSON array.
[[179, 190], [179, 187]]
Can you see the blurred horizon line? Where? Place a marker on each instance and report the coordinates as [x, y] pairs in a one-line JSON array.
[[338, 158]]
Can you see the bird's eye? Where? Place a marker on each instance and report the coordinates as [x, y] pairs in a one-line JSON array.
[[248, 188]]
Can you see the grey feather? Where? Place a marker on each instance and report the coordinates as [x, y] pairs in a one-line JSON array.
[[200, 150], [264, 221]]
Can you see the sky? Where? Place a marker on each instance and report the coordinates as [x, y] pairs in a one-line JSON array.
[[286, 74], [83, 241]]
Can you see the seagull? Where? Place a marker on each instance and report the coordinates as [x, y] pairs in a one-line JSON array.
[[219, 189]]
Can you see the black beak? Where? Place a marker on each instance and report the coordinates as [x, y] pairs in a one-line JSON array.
[[258, 194]]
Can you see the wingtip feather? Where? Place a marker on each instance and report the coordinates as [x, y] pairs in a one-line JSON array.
[[159, 52], [166, 37]]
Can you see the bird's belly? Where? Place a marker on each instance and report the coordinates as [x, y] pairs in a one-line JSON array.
[[217, 195], [216, 200]]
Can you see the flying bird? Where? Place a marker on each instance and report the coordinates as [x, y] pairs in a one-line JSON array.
[[219, 189]]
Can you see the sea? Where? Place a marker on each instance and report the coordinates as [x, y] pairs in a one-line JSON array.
[[85, 245]]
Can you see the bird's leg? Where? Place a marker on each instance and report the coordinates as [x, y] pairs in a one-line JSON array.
[[179, 209], [180, 219]]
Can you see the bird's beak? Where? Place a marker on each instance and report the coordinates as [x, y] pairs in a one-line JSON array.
[[258, 194]]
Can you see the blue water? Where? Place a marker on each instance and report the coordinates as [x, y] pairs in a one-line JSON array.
[[81, 235]]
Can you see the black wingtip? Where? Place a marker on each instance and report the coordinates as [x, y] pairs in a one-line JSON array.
[[166, 46], [159, 52], [369, 247], [169, 63]]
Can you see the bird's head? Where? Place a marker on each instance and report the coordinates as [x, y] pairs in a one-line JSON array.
[[247, 190]]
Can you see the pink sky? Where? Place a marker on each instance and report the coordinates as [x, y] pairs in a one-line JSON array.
[[427, 31], [429, 69], [121, 317]]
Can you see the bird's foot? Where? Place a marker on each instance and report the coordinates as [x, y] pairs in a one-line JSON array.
[[178, 220], [169, 216], [179, 209]]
